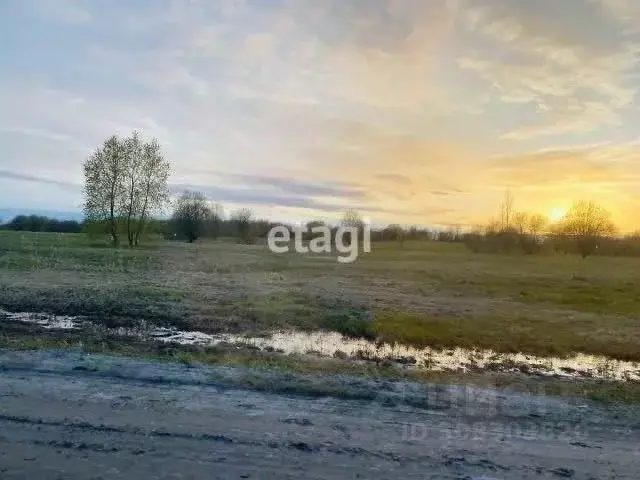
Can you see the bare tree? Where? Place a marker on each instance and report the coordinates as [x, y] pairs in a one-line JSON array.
[[352, 218], [242, 221], [192, 210], [537, 224], [506, 211], [521, 223], [103, 190], [395, 232], [215, 220], [313, 224], [493, 227], [586, 223]]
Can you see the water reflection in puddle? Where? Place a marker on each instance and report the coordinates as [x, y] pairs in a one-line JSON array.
[[332, 344], [44, 320]]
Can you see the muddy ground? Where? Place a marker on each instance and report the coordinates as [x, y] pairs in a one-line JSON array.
[[66, 415]]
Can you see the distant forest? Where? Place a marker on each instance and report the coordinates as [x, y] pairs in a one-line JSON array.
[[126, 189], [239, 224], [39, 223], [512, 236]]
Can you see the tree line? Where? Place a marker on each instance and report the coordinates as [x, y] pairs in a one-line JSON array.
[[40, 223], [587, 228], [126, 190], [195, 217]]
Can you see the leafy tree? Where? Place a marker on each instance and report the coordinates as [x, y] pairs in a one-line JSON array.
[[104, 172], [152, 191], [191, 214], [125, 182]]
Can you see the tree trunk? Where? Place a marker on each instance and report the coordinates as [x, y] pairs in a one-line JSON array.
[[129, 232], [143, 214], [114, 228], [112, 208], [130, 214]]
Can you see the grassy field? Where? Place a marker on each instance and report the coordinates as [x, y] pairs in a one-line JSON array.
[[422, 293]]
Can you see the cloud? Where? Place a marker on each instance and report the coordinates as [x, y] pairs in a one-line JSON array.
[[62, 11], [381, 56], [37, 133], [8, 175], [248, 196], [606, 166], [549, 57], [394, 178], [625, 12], [299, 187], [418, 111]]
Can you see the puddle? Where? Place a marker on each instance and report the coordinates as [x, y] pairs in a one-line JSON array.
[[44, 320], [332, 344]]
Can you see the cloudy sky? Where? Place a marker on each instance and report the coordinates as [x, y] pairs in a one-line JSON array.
[[411, 111]]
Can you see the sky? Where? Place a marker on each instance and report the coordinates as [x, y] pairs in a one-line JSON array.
[[410, 111]]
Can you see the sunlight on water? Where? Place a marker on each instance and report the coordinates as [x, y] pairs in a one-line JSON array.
[[457, 359], [332, 344], [43, 320]]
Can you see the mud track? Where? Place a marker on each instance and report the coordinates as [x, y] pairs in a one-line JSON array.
[[74, 416]]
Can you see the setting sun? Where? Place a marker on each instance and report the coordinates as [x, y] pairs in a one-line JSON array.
[[556, 214]]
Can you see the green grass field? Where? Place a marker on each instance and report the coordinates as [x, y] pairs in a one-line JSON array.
[[422, 293]]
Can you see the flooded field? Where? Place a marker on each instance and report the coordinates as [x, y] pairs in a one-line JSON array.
[[332, 344]]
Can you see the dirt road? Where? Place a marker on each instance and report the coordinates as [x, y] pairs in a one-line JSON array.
[[68, 415]]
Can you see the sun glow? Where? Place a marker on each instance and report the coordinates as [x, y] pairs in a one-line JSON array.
[[557, 213]]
